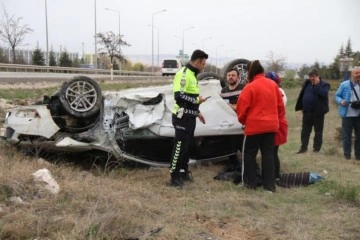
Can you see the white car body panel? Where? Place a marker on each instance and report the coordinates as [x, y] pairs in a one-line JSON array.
[[33, 120]]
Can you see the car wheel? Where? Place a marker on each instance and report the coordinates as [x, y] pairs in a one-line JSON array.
[[81, 97], [240, 65], [210, 75]]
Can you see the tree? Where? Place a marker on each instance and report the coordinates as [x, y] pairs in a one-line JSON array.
[[341, 51], [76, 63], [304, 70], [356, 57], [348, 49], [275, 63], [138, 67], [38, 57], [290, 74], [13, 32], [3, 58], [110, 45], [64, 60], [316, 65], [52, 59]]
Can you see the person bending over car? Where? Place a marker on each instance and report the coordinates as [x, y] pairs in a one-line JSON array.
[[259, 108], [185, 112]]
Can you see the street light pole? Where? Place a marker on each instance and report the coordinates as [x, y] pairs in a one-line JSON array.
[[158, 54], [47, 38], [158, 44], [118, 12], [95, 65], [183, 42], [83, 53], [152, 38], [216, 57]]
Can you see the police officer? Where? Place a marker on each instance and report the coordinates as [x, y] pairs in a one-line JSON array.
[[185, 112]]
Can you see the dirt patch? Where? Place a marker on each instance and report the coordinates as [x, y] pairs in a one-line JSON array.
[[226, 229]]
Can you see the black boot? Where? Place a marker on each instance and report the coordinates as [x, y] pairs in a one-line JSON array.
[[186, 176], [175, 180]]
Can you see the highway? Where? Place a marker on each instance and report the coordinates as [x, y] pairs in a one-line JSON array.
[[16, 77]]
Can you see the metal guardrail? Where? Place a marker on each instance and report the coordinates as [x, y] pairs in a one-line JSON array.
[[53, 69]]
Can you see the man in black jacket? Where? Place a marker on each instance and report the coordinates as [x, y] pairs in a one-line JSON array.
[[313, 100]]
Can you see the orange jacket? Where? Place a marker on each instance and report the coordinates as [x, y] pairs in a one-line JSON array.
[[260, 106]]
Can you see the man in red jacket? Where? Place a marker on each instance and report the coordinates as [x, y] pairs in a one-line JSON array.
[[259, 108]]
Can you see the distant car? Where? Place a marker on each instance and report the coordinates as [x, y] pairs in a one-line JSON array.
[[133, 124], [170, 67]]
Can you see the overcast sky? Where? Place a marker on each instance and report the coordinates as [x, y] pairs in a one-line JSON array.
[[303, 31]]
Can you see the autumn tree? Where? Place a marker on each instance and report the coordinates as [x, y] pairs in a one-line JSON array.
[[13, 32], [38, 57], [110, 43], [275, 63]]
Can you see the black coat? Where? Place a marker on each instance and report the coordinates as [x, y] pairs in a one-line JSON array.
[[321, 97]]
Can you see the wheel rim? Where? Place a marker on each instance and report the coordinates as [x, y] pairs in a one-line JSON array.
[[242, 68], [81, 96]]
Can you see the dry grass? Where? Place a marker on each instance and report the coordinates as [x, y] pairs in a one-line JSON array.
[[136, 203]]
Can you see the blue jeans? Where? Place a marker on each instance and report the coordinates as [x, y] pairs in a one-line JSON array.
[[348, 124]]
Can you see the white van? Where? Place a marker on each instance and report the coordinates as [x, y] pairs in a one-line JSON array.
[[170, 67]]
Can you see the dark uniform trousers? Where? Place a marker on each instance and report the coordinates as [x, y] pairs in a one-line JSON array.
[[184, 134]]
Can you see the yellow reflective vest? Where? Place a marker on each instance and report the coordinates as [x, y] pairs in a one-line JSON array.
[[186, 93]]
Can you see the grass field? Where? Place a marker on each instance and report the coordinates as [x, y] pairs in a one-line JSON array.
[[97, 202]]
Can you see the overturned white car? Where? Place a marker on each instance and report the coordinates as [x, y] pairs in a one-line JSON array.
[[133, 124]]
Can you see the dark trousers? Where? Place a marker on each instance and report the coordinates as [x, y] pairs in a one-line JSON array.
[[264, 142], [184, 134], [348, 124], [309, 121], [276, 162], [233, 160]]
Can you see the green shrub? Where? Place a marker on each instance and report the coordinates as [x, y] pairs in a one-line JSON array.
[[347, 192]]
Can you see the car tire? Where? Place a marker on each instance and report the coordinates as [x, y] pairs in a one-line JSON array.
[[81, 97], [239, 64], [210, 75]]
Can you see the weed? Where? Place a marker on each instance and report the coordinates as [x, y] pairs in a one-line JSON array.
[[347, 192], [92, 232], [5, 192]]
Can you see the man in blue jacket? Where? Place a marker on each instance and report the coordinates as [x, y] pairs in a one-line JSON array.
[[313, 100], [349, 110]]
